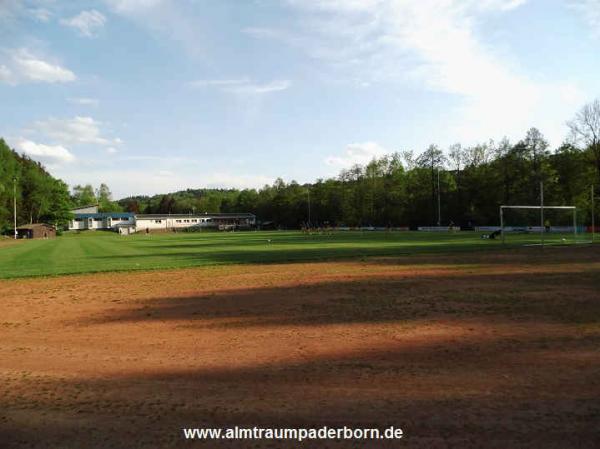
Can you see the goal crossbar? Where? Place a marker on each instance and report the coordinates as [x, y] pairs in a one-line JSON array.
[[539, 207]]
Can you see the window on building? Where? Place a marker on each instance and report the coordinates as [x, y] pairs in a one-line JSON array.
[[157, 221]]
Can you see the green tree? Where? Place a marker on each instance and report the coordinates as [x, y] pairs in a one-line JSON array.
[[84, 195], [432, 159]]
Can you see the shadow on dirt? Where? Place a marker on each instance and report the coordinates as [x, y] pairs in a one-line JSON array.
[[399, 299], [495, 393], [463, 359]]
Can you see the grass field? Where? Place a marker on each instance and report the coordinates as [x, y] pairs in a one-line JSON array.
[[106, 251], [471, 349]]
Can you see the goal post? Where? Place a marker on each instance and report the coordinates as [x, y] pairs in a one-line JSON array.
[[542, 226]]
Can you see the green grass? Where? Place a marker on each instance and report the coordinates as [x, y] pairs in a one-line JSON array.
[[105, 251]]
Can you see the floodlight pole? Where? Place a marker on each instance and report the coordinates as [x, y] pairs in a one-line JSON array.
[[15, 205], [308, 207], [542, 210], [439, 200], [575, 225], [593, 223], [502, 223]]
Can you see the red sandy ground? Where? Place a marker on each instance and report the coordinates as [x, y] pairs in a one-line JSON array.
[[479, 350]]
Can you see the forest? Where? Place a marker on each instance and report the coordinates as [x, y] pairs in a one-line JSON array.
[[403, 189], [40, 197], [460, 185]]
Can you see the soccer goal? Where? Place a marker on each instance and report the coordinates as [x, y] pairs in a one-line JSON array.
[[539, 225]]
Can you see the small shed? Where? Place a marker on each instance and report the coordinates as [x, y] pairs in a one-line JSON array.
[[36, 231], [124, 228]]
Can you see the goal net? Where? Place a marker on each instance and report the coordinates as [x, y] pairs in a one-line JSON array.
[[537, 225]]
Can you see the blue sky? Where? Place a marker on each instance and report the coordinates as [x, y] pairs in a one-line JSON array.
[[152, 96]]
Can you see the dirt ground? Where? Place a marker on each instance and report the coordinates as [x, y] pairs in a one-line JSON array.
[[475, 350]]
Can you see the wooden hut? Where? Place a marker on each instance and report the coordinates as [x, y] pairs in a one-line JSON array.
[[36, 231]]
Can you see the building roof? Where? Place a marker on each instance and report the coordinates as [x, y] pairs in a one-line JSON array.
[[165, 216], [159, 216], [105, 215], [35, 225], [86, 207]]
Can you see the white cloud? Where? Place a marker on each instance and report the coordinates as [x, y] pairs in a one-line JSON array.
[[230, 180], [434, 45], [151, 180], [5, 74], [244, 86], [40, 14], [133, 6], [84, 101], [357, 153], [51, 154], [78, 130], [252, 88], [16, 9], [219, 83], [9, 9], [87, 23], [262, 32], [22, 66], [370, 6], [501, 5], [160, 159], [339, 5], [590, 12], [111, 150], [174, 19]]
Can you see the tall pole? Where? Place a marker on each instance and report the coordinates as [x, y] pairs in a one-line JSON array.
[[15, 205], [309, 207], [542, 210], [575, 225], [593, 223], [502, 223], [439, 200]]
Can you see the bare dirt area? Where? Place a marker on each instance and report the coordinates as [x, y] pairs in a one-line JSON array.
[[5, 241], [473, 350]]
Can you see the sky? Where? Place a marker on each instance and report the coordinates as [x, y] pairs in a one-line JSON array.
[[154, 96]]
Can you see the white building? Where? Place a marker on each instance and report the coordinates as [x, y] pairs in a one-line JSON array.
[[171, 222], [88, 218], [101, 221]]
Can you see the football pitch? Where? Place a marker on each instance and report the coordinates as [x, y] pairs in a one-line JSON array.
[[90, 252], [469, 349]]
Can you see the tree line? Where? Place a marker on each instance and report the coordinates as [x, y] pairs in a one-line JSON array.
[[460, 185]]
